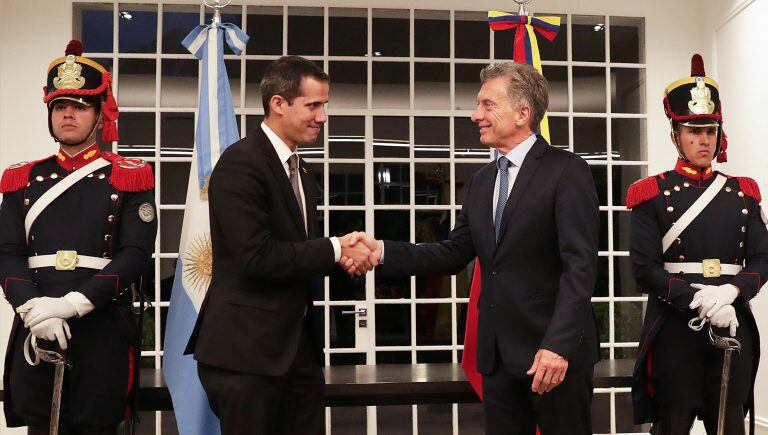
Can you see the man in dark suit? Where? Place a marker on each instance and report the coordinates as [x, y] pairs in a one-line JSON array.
[[258, 359], [531, 217]]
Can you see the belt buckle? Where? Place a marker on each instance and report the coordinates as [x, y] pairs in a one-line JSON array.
[[711, 267], [66, 260]]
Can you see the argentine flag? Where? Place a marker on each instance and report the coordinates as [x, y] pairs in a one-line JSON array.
[[216, 129]]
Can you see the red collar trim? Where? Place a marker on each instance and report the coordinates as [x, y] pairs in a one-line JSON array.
[[72, 163], [693, 172]]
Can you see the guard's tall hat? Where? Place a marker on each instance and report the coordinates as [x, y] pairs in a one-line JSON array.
[[695, 101], [85, 81]]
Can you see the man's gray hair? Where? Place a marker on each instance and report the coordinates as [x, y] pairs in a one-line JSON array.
[[525, 87]]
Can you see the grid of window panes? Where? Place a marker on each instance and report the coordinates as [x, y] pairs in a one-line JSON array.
[[395, 158]]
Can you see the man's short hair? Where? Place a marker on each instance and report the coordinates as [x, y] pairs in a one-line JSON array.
[[525, 87], [283, 77]]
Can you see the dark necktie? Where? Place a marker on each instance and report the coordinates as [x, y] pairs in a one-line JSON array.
[[293, 166], [503, 163]]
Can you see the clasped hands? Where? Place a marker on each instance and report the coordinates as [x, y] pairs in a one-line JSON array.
[[714, 303], [360, 253], [46, 318]]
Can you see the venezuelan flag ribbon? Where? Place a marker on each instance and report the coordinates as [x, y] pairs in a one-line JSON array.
[[526, 47], [526, 50]]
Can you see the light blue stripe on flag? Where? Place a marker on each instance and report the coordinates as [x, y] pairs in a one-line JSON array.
[[216, 130]]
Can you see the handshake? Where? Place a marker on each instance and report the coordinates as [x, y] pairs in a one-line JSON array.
[[360, 253]]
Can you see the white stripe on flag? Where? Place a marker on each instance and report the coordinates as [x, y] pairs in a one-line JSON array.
[[235, 39], [194, 47], [213, 89]]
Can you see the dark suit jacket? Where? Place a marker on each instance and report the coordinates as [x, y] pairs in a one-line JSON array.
[[264, 263], [538, 280]]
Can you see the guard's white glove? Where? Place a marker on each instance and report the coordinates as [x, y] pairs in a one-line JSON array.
[[725, 318], [39, 309], [711, 298], [54, 329]]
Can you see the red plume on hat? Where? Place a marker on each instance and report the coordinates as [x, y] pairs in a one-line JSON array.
[[697, 66], [74, 47]]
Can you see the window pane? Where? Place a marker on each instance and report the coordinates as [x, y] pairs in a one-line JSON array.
[[390, 136], [137, 134], [347, 32], [432, 33], [265, 28], [390, 85], [391, 183], [623, 177], [601, 281], [391, 31], [601, 313], [305, 31], [558, 131], [342, 287], [349, 81], [174, 179], [464, 174], [471, 35], [170, 229], [431, 137], [467, 85], [432, 88], [588, 89], [254, 71], [621, 230], [627, 90], [348, 419], [392, 225], [137, 82], [433, 183], [557, 78], [628, 141], [627, 39], [624, 278], [435, 356], [433, 324], [177, 134], [394, 419], [346, 183], [233, 72], [178, 21], [178, 83], [467, 140], [393, 325], [346, 137], [600, 176], [589, 138], [138, 28], [629, 320], [588, 38], [93, 26]]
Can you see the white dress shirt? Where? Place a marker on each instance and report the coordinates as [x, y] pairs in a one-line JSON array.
[[516, 157], [284, 153]]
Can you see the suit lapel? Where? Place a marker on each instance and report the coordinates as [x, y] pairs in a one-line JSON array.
[[284, 185], [526, 171]]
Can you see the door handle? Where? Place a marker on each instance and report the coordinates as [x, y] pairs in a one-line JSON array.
[[362, 312]]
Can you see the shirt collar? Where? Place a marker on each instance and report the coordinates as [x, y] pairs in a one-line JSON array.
[[518, 153], [693, 172], [282, 150], [71, 163]]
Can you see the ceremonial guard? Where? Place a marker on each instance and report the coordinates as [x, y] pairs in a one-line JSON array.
[[699, 249], [77, 230]]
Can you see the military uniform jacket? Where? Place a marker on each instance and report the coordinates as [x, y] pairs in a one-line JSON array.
[[108, 214], [730, 229]]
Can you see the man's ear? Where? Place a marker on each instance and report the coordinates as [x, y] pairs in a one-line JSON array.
[[277, 104], [523, 116]]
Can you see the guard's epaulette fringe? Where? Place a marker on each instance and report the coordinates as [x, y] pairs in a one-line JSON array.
[[750, 188], [130, 174], [642, 191], [16, 176]]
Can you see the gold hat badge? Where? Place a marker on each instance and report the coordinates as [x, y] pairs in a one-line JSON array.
[[701, 99], [68, 75]]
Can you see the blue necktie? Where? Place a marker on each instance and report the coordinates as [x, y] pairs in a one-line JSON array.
[[503, 163]]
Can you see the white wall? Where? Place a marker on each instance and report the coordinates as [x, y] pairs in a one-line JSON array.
[[738, 39], [33, 32]]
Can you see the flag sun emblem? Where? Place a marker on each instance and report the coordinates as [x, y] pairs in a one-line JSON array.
[[198, 263]]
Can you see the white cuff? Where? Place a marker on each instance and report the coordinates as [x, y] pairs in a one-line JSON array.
[[381, 260], [336, 248], [82, 305]]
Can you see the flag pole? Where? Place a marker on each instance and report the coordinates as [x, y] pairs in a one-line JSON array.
[[217, 6]]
